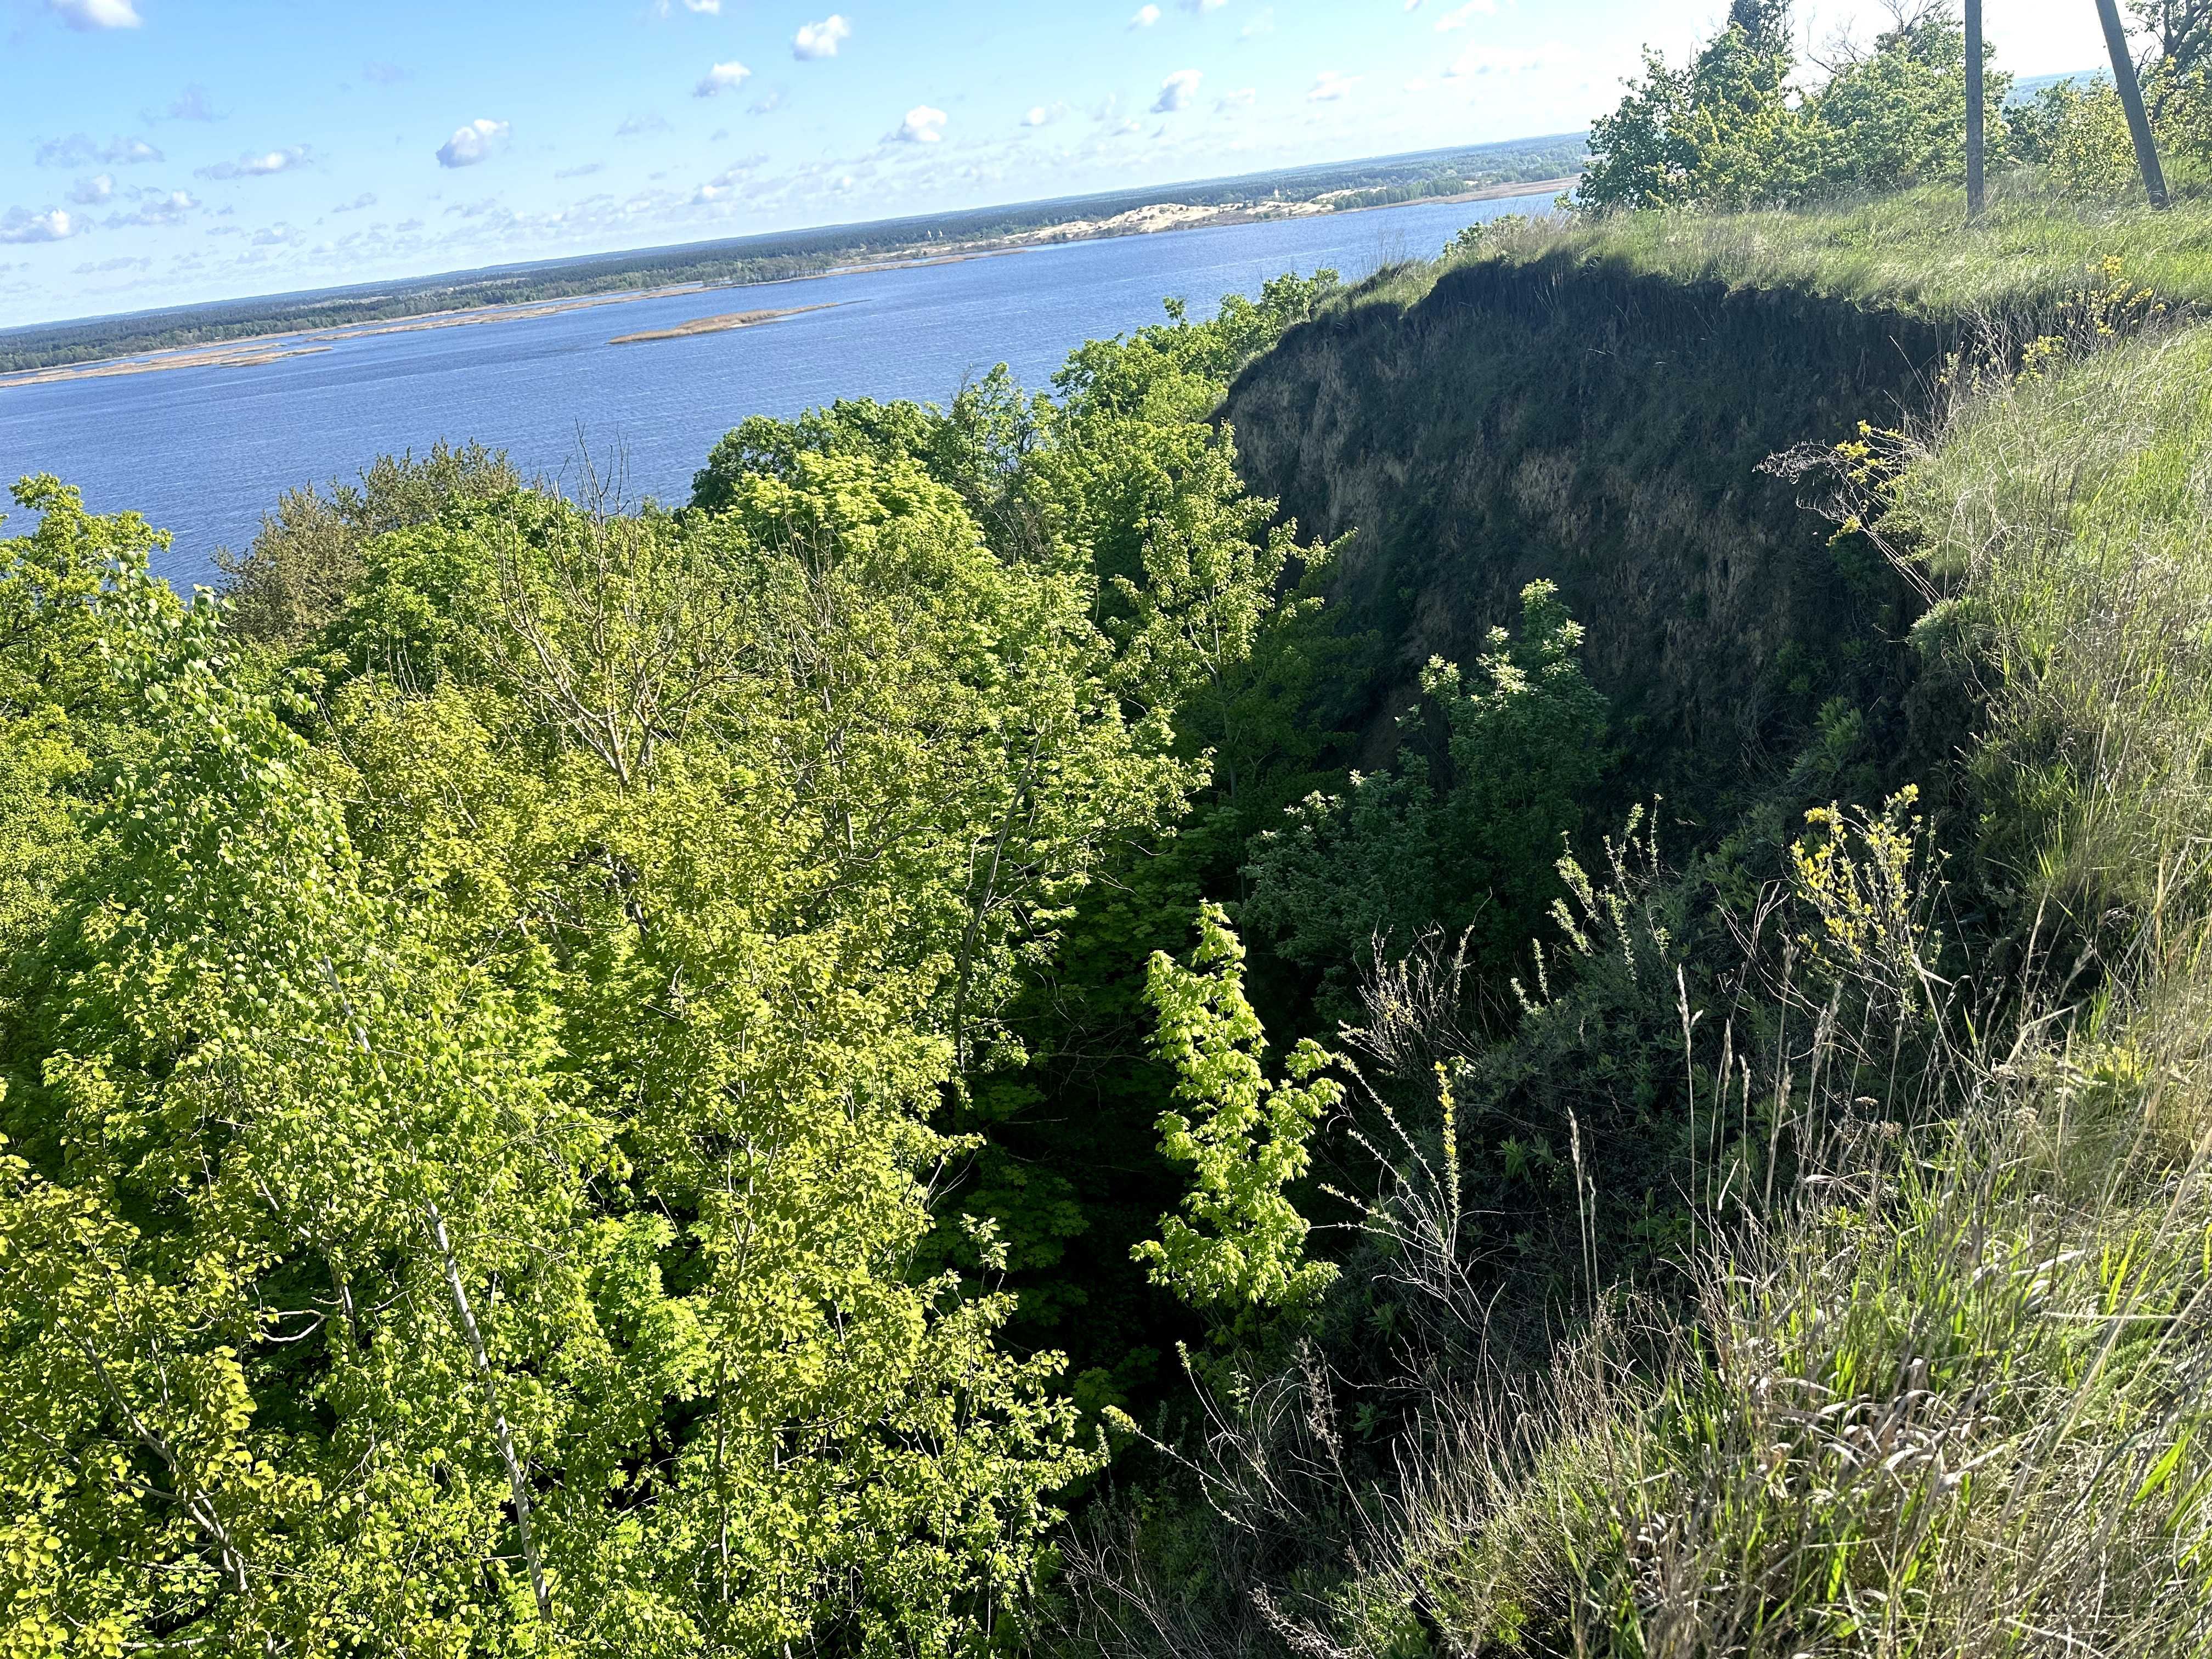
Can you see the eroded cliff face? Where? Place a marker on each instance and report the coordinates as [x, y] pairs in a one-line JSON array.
[[1605, 431]]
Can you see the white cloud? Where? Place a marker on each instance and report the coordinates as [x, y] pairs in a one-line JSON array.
[[730, 180], [96, 14], [472, 143], [89, 192], [820, 39], [1240, 99], [1043, 114], [1330, 85], [1203, 5], [192, 104], [583, 171], [252, 165], [21, 225], [1465, 14], [384, 75], [923, 125], [76, 150], [1263, 24], [723, 77], [1146, 17], [635, 126], [1495, 60], [365, 199], [1176, 91], [158, 207]]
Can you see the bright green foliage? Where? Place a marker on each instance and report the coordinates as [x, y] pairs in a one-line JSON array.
[[2082, 131], [1714, 131], [1117, 487], [1397, 853], [475, 1132], [268, 1135], [293, 578], [478, 1134], [1243, 1135], [61, 711], [1730, 129], [1897, 117]]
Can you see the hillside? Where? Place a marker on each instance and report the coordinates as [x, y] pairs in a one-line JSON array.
[[1929, 1378], [1507, 961], [1578, 420], [1593, 404]]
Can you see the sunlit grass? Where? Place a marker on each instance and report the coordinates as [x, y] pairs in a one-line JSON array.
[[1912, 252]]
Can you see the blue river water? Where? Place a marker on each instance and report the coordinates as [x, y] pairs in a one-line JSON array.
[[203, 453]]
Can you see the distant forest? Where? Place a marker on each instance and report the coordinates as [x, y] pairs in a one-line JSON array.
[[779, 256]]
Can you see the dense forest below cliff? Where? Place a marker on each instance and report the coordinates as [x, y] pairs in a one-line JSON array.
[[1507, 959]]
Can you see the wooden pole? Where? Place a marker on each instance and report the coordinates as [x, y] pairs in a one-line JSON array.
[[1974, 137], [2124, 76]]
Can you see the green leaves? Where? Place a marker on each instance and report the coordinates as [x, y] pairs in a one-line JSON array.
[[1244, 1135], [492, 1020], [1728, 130], [1469, 838]]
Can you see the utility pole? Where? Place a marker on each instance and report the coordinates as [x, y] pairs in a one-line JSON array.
[[1974, 180], [2124, 76]]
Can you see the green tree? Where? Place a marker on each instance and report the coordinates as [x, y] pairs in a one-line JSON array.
[[294, 578], [1728, 129], [1398, 852], [1896, 117], [1721, 131], [471, 1170], [64, 589], [1243, 1135]]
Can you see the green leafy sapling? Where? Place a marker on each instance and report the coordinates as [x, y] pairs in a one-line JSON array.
[[1243, 1135]]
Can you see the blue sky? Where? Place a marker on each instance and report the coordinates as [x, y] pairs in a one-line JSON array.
[[155, 152]]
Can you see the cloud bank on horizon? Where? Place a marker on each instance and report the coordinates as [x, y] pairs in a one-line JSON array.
[[329, 149]]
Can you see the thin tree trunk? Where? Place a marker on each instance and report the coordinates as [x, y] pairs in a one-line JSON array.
[[1974, 113], [2124, 76], [518, 1478], [195, 1501]]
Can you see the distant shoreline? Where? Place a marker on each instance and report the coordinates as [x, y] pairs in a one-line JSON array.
[[247, 350], [251, 350]]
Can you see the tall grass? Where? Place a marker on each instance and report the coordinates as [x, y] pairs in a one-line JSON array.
[[1948, 1396], [1954, 1399], [1910, 252]]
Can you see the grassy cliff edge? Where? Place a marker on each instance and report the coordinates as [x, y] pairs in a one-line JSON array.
[[1946, 1395]]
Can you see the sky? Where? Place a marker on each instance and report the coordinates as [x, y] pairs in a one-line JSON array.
[[161, 152]]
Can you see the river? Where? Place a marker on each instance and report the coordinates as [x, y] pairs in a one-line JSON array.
[[204, 452]]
